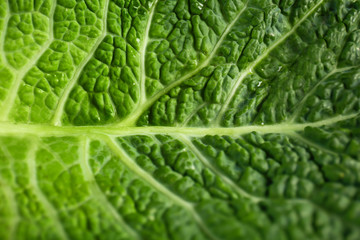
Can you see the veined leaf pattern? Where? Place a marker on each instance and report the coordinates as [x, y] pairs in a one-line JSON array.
[[179, 119]]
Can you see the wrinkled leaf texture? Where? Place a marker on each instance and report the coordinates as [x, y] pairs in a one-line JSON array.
[[180, 119]]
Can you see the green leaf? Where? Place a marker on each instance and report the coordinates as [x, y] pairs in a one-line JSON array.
[[174, 119]]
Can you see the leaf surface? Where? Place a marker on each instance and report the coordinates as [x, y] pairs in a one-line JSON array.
[[199, 119]]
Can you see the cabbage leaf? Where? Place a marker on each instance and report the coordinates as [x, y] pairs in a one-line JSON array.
[[180, 119]]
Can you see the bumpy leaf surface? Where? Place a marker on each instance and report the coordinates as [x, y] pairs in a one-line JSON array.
[[180, 119]]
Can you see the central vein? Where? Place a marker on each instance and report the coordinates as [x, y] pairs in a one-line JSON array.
[[7, 128]]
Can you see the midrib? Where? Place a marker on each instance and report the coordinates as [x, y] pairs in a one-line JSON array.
[[7, 128]]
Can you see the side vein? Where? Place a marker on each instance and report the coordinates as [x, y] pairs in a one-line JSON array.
[[9, 189], [227, 180], [51, 211], [10, 98], [143, 54], [192, 114], [250, 68], [89, 177], [154, 183], [13, 208], [299, 106], [310, 143], [137, 113], [3, 35], [56, 120]]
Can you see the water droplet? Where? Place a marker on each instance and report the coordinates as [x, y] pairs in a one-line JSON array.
[[199, 5]]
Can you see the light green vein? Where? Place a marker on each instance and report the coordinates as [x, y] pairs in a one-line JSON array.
[[13, 92], [48, 130], [154, 183], [131, 119], [143, 54], [50, 210], [299, 106], [97, 193], [250, 68], [10, 188], [193, 113], [144, 175], [2, 36], [12, 203], [56, 120], [227, 180], [312, 144]]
